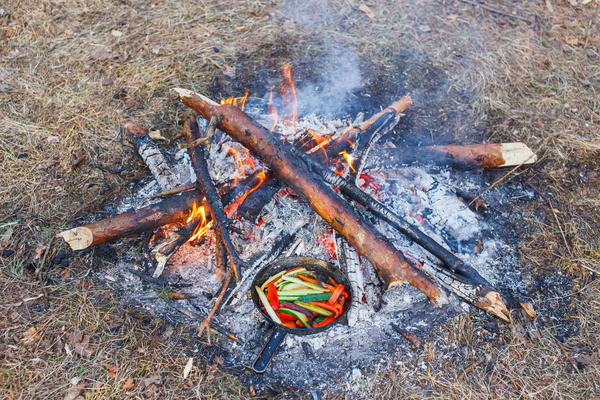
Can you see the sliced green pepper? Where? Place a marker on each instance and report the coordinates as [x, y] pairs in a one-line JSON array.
[[309, 285], [315, 297], [296, 314]]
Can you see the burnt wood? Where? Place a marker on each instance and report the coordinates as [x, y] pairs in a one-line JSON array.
[[198, 156]]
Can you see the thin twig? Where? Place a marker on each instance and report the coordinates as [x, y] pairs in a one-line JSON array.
[[41, 269], [562, 233], [493, 185], [215, 307], [486, 6], [176, 190], [157, 281]]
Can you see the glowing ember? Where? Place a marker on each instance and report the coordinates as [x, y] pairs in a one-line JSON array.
[[327, 242], [233, 207], [203, 225], [349, 159], [272, 110], [288, 95]]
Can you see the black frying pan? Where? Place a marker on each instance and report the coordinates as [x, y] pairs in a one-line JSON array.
[[319, 267]]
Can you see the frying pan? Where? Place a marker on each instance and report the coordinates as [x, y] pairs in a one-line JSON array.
[[322, 269]]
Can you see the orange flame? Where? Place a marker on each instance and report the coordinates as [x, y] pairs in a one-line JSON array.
[[288, 95], [262, 177], [349, 159], [272, 110], [321, 142], [203, 225], [235, 101], [239, 171]]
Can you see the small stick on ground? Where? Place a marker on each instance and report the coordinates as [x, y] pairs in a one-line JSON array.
[[495, 10], [215, 307], [493, 185], [411, 338], [176, 190], [198, 156], [468, 370], [157, 281]]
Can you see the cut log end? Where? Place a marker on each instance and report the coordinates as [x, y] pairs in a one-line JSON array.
[[516, 154], [186, 93], [493, 303], [78, 238]]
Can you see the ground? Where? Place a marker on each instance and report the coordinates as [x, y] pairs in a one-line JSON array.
[[71, 72]]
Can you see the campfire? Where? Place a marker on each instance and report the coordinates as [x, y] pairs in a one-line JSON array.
[[255, 181]]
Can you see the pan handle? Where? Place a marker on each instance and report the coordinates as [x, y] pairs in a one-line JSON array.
[[267, 353]]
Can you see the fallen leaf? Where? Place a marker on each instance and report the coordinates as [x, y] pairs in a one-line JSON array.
[[4, 87], [156, 135], [151, 380], [77, 157], [130, 104], [188, 368], [116, 33], [52, 139], [528, 307], [573, 41], [105, 53], [30, 336], [240, 28], [479, 246], [540, 123], [6, 237], [80, 343], [229, 71], [111, 370], [39, 252], [367, 10], [128, 385]]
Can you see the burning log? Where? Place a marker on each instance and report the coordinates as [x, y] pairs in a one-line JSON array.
[[459, 278], [198, 156], [489, 155], [390, 265], [171, 210], [152, 157], [164, 251]]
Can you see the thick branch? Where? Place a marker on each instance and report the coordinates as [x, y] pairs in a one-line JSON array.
[[171, 210]]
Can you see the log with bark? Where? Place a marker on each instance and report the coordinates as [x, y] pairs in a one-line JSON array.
[[391, 266], [171, 210], [152, 156], [489, 155]]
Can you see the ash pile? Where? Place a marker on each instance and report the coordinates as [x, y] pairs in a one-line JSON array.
[[426, 208]]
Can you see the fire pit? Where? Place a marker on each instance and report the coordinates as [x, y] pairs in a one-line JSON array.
[[357, 200]]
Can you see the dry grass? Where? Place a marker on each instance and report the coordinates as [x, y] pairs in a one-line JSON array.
[[72, 71]]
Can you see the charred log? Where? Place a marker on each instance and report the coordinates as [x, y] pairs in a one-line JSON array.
[[390, 265], [152, 157], [198, 156]]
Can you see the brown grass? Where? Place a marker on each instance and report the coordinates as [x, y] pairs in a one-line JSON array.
[[72, 71]]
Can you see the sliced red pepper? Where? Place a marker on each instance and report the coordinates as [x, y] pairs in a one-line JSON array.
[[292, 270], [286, 317], [272, 296], [326, 306], [340, 304], [289, 324], [332, 281], [326, 321], [307, 279], [336, 294]]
